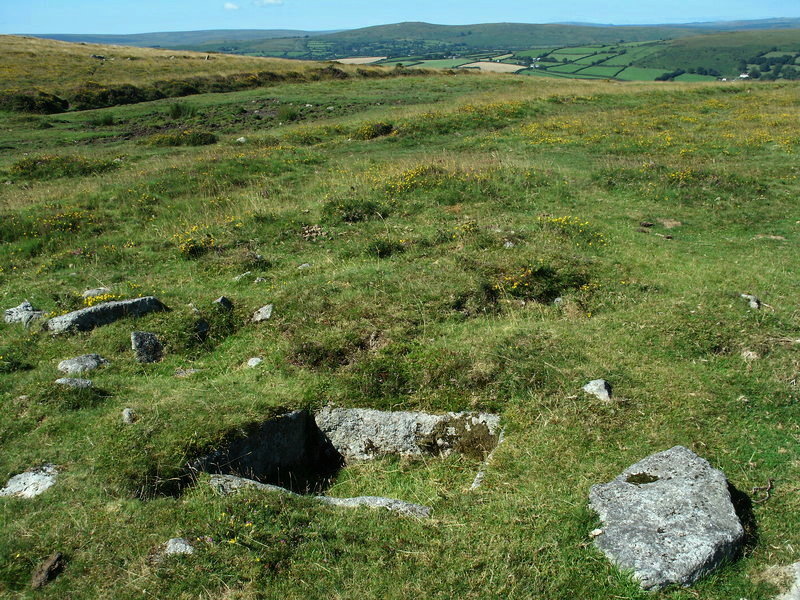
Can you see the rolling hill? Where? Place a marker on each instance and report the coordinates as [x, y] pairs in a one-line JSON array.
[[179, 39]]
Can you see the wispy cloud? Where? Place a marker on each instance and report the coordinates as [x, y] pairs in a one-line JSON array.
[[230, 6]]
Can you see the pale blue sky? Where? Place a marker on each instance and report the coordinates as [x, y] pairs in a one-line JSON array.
[[139, 16]]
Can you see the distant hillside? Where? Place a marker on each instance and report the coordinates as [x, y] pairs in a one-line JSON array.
[[405, 39], [727, 53], [179, 39]]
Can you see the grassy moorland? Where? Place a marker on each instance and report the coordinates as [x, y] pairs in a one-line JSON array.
[[647, 209]]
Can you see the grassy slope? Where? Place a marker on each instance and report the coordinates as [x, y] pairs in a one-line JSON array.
[[54, 66], [720, 51], [178, 39], [411, 301]]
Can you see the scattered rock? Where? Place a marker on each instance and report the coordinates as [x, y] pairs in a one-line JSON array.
[[184, 373], [363, 434], [25, 313], [242, 276], [749, 355], [668, 518], [508, 245], [600, 389], [646, 224], [259, 280], [129, 416], [78, 384], [48, 570], [147, 346], [670, 223], [792, 575], [254, 362], [558, 301], [331, 108], [304, 266], [752, 301], [241, 140], [81, 364], [223, 303], [404, 508], [263, 314], [93, 293], [103, 314], [32, 482], [178, 546]]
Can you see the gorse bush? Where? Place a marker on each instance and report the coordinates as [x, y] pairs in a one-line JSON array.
[[370, 131], [353, 210], [54, 166], [103, 120], [32, 102], [288, 114], [186, 137], [181, 110]]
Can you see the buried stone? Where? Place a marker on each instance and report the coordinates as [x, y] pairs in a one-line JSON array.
[[81, 364], [363, 434], [103, 314], [31, 483], [229, 484], [668, 518]]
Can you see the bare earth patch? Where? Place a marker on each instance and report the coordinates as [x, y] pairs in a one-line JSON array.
[[493, 67], [360, 60]]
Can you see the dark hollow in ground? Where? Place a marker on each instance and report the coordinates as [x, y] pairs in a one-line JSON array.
[[288, 451]]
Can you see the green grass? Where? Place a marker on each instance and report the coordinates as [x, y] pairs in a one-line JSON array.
[[639, 74], [402, 199]]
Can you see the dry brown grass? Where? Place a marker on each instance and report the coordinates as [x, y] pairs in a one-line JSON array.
[[55, 66]]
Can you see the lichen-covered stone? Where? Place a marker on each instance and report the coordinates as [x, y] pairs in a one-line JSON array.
[[363, 434], [792, 589], [263, 314], [74, 383], [404, 508], [128, 416], [600, 389], [81, 364], [103, 314], [147, 346], [25, 313], [31, 483], [178, 546], [229, 484], [668, 518]]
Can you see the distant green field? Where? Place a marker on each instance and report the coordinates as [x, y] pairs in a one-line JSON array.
[[694, 77], [603, 56], [571, 68], [600, 71], [442, 64], [560, 55], [639, 74]]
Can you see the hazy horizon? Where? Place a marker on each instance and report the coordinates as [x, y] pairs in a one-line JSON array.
[[151, 16]]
